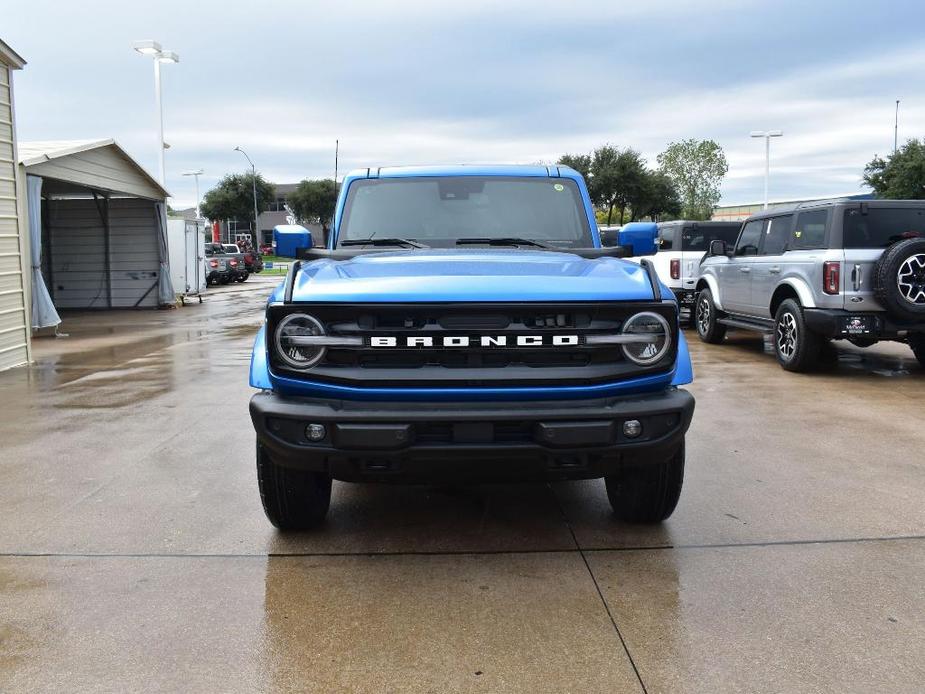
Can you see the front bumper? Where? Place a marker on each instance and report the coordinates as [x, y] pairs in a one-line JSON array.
[[843, 325], [400, 441]]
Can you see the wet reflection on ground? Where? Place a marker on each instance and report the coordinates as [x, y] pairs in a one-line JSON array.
[[134, 549], [840, 356]]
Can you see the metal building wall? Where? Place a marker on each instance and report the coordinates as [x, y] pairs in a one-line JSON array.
[[14, 332], [133, 250], [85, 269]]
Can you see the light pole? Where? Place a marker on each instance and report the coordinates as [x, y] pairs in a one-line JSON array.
[[256, 241], [195, 174], [767, 135], [153, 49], [896, 128]]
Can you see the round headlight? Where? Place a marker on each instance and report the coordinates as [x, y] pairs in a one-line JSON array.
[[293, 351], [654, 338]]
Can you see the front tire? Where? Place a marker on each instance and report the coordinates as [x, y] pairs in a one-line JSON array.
[[797, 348], [292, 499], [705, 319], [647, 493]]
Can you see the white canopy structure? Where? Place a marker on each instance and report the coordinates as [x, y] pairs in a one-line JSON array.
[[98, 223]]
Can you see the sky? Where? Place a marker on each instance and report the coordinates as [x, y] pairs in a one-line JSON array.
[[430, 82]]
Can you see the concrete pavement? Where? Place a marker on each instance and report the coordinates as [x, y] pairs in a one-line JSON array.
[[134, 554]]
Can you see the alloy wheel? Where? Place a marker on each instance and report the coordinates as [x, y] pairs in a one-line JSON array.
[[911, 279], [787, 336], [703, 315]]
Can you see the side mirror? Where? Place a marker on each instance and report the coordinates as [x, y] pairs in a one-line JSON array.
[[717, 247], [641, 236], [290, 239]]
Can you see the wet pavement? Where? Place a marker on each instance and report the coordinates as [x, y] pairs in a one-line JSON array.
[[134, 554]]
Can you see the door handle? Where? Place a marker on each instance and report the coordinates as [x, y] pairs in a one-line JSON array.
[[856, 278], [745, 269], [774, 269]]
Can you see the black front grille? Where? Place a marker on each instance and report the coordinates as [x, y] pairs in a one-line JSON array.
[[474, 365]]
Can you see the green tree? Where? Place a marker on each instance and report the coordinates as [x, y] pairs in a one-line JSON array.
[[901, 176], [313, 201], [697, 168], [580, 162], [617, 179], [233, 198], [658, 198]]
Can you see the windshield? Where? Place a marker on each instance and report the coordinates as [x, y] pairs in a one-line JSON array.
[[438, 212], [882, 226]]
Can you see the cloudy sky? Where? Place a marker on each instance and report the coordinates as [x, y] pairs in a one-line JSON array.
[[424, 81]]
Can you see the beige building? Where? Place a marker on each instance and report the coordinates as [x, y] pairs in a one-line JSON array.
[[15, 345], [738, 213]]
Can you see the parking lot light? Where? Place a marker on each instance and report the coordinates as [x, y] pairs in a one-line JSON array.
[[767, 135], [255, 240], [196, 174], [153, 49], [147, 47]]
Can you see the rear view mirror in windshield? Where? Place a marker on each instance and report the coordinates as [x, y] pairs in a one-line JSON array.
[[882, 226]]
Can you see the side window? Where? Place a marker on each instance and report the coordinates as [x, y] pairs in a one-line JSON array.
[[776, 235], [810, 229], [666, 237], [750, 238]]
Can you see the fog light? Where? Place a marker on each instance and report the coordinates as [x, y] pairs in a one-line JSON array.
[[315, 432], [632, 428]]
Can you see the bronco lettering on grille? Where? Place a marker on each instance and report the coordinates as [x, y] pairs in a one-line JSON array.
[[504, 341]]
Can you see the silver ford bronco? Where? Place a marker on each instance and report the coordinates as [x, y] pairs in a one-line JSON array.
[[835, 269]]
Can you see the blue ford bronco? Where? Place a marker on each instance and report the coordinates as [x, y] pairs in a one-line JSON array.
[[465, 323]]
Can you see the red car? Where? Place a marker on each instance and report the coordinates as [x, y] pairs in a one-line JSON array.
[[266, 249]]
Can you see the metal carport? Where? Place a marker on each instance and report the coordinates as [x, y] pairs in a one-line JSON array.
[[101, 216]]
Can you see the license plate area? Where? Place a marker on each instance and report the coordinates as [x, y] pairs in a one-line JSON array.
[[858, 325]]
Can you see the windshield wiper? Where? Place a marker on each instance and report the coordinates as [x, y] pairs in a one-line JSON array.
[[504, 241], [382, 242]]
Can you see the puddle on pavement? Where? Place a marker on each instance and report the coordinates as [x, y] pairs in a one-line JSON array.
[[838, 358]]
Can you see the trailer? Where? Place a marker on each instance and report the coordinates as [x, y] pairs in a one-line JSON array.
[[186, 246]]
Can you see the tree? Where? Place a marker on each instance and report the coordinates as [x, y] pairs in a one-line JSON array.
[[616, 179], [233, 198], [313, 201], [901, 176], [580, 162], [658, 198], [697, 168]]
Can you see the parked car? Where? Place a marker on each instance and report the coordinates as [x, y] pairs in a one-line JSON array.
[[266, 249], [682, 244], [837, 269], [217, 271], [236, 261], [465, 322], [253, 262]]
